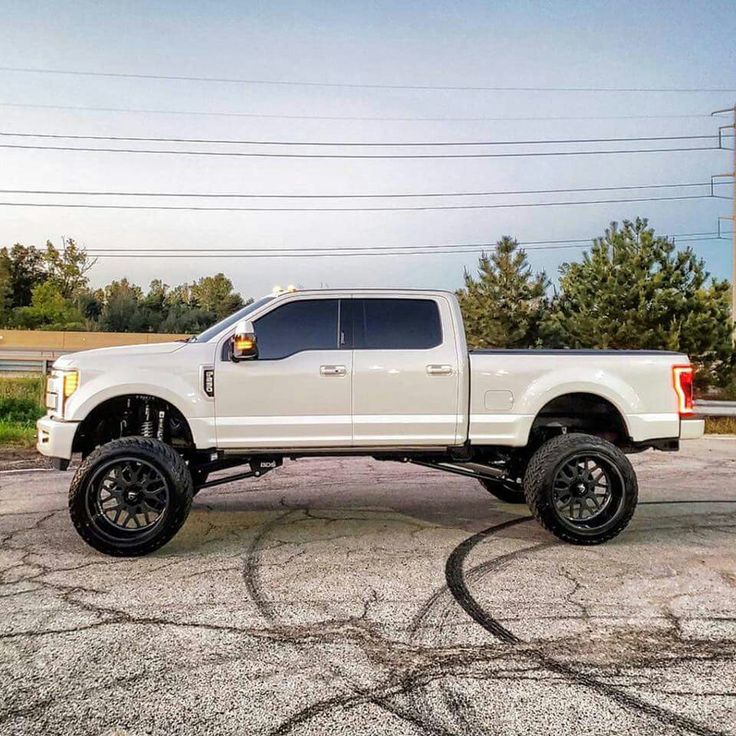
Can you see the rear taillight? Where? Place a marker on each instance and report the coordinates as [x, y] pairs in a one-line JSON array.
[[682, 380]]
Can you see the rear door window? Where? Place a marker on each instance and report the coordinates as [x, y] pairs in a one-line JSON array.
[[396, 324]]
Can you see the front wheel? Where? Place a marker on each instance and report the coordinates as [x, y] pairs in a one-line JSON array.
[[199, 478], [581, 488], [130, 496]]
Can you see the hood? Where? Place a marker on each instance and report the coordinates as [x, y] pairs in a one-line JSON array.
[[122, 351]]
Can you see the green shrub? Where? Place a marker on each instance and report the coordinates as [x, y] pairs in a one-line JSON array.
[[20, 411], [16, 435], [728, 392], [27, 387]]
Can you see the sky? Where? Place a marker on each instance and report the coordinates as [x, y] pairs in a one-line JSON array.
[[481, 44]]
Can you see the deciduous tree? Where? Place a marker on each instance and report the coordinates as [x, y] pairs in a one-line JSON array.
[[27, 270], [67, 267], [49, 310], [215, 294]]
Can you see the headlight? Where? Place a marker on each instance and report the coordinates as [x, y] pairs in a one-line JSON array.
[[71, 383]]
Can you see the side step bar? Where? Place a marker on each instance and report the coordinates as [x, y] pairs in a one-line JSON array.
[[472, 470]]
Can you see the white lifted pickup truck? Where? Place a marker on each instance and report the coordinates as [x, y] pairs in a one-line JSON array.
[[357, 372]]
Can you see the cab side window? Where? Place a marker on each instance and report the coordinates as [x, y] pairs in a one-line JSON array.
[[396, 324], [304, 324]]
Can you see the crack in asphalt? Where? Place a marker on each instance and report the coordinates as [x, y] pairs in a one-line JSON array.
[[382, 697], [411, 668]]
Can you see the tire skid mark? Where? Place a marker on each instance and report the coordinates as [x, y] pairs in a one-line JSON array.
[[458, 587], [456, 582], [251, 573], [429, 605], [381, 696], [451, 698], [461, 709]]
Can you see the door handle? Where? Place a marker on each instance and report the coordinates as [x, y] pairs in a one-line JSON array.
[[439, 370], [332, 370]]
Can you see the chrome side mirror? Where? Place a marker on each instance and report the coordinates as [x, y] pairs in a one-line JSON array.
[[244, 342]]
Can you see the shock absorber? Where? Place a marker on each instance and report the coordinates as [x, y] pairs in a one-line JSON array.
[[126, 419], [147, 425]]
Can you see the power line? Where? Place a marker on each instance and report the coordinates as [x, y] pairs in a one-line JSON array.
[[390, 144], [374, 253], [354, 85], [249, 154], [419, 195], [702, 235], [298, 255], [365, 118], [417, 208]]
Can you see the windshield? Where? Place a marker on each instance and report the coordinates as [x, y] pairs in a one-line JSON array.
[[215, 330]]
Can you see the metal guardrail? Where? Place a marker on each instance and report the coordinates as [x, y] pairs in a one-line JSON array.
[[27, 361], [24, 366], [715, 408]]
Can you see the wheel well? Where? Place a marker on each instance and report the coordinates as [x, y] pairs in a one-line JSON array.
[[582, 412], [133, 415]]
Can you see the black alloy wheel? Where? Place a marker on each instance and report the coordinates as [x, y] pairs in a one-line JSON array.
[[127, 494], [587, 491], [130, 496], [581, 488]]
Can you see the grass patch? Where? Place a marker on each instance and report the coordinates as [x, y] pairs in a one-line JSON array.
[[20, 411], [27, 387], [17, 435], [720, 425], [20, 406]]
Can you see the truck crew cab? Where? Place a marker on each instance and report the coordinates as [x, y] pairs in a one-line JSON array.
[[357, 372]]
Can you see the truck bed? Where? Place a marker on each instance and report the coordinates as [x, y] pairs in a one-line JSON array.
[[508, 392]]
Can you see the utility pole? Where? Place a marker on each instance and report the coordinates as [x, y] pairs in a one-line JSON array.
[[732, 218]]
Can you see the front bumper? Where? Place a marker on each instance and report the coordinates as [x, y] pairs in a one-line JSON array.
[[692, 429], [55, 438]]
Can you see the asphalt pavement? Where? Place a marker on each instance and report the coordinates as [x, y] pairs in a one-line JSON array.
[[353, 596]]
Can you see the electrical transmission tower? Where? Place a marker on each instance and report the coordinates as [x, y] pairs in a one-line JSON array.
[[732, 217]]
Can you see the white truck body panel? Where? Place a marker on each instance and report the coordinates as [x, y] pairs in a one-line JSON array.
[[439, 397], [170, 371], [284, 403], [412, 397], [509, 389]]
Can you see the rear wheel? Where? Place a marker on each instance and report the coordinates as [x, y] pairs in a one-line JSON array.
[[130, 496], [506, 491], [581, 488]]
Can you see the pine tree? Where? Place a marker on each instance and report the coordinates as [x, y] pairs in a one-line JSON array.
[[503, 306], [636, 290]]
